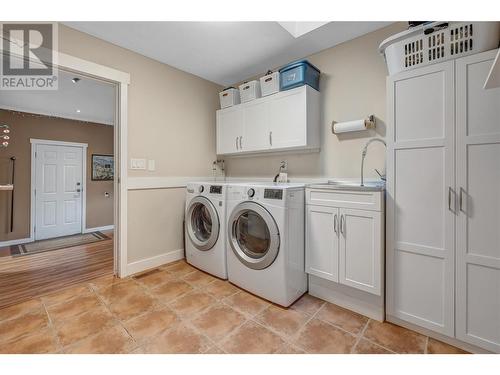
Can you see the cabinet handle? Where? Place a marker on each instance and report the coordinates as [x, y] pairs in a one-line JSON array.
[[461, 200], [271, 138], [241, 137], [236, 139], [342, 224], [450, 192], [335, 225]]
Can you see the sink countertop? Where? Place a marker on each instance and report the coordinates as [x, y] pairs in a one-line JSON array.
[[354, 186]]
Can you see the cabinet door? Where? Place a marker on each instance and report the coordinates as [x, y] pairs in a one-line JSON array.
[[421, 197], [288, 119], [322, 242], [478, 220], [256, 133], [229, 130], [361, 258]]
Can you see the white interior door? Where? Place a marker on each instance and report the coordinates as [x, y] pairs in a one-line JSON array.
[[420, 197], [58, 190], [478, 221]]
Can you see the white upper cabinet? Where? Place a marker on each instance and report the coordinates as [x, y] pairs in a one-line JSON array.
[[288, 120], [256, 115], [229, 130], [287, 116]]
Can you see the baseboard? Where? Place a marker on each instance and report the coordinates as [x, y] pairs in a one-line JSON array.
[[153, 262], [438, 336], [99, 229], [16, 242], [349, 298]]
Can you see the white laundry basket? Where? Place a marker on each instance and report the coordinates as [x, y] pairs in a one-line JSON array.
[[438, 41]]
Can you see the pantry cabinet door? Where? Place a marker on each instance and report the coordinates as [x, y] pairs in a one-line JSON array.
[[256, 119], [229, 130], [361, 256], [288, 119], [478, 216], [421, 197], [322, 242]]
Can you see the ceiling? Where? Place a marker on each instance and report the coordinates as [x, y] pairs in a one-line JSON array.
[[95, 100], [224, 52]]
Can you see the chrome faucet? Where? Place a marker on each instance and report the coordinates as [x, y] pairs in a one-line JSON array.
[[363, 156]]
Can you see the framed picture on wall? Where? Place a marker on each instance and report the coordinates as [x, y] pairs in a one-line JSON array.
[[103, 167]]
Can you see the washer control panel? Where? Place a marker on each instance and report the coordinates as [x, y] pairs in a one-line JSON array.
[[251, 192]]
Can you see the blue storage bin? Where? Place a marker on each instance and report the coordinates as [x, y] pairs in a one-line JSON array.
[[299, 73]]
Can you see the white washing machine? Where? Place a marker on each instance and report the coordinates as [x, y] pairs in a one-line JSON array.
[[205, 227], [265, 236]]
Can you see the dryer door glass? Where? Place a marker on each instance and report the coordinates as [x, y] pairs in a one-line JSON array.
[[253, 235], [202, 223]]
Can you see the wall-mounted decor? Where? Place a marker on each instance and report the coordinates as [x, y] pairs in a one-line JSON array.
[[103, 167]]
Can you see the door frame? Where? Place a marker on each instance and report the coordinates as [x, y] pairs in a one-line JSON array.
[[121, 81], [83, 147]]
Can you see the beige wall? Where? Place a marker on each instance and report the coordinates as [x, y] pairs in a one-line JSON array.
[[23, 127], [172, 120], [353, 76]]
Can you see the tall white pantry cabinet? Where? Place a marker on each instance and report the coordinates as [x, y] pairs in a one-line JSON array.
[[443, 201]]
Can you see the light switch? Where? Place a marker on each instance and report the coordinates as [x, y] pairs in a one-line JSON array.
[[151, 165], [137, 163]]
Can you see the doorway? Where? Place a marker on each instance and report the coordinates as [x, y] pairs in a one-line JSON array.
[[65, 213]]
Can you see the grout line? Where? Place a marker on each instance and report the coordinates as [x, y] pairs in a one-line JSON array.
[[360, 335], [426, 345]]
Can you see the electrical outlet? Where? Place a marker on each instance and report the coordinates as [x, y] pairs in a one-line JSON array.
[[137, 163], [151, 165]]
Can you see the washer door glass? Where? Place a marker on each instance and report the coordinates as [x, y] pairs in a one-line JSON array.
[[254, 235], [202, 223]]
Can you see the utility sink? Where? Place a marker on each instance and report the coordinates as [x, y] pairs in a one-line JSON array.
[[351, 185]]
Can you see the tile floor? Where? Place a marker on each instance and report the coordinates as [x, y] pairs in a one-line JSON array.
[[178, 309]]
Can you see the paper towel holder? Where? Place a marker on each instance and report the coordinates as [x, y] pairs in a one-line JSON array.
[[369, 122]]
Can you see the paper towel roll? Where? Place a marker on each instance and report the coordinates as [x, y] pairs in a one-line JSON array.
[[349, 126], [352, 126]]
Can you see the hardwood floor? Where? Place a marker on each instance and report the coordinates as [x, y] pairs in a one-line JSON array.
[[26, 277]]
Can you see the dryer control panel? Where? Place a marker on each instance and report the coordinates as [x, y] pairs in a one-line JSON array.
[[273, 194], [215, 189]]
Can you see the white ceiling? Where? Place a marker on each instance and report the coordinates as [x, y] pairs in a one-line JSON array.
[[94, 99], [223, 52]]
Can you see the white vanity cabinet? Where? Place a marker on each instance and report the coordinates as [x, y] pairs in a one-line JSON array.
[[443, 211], [288, 120], [345, 242]]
